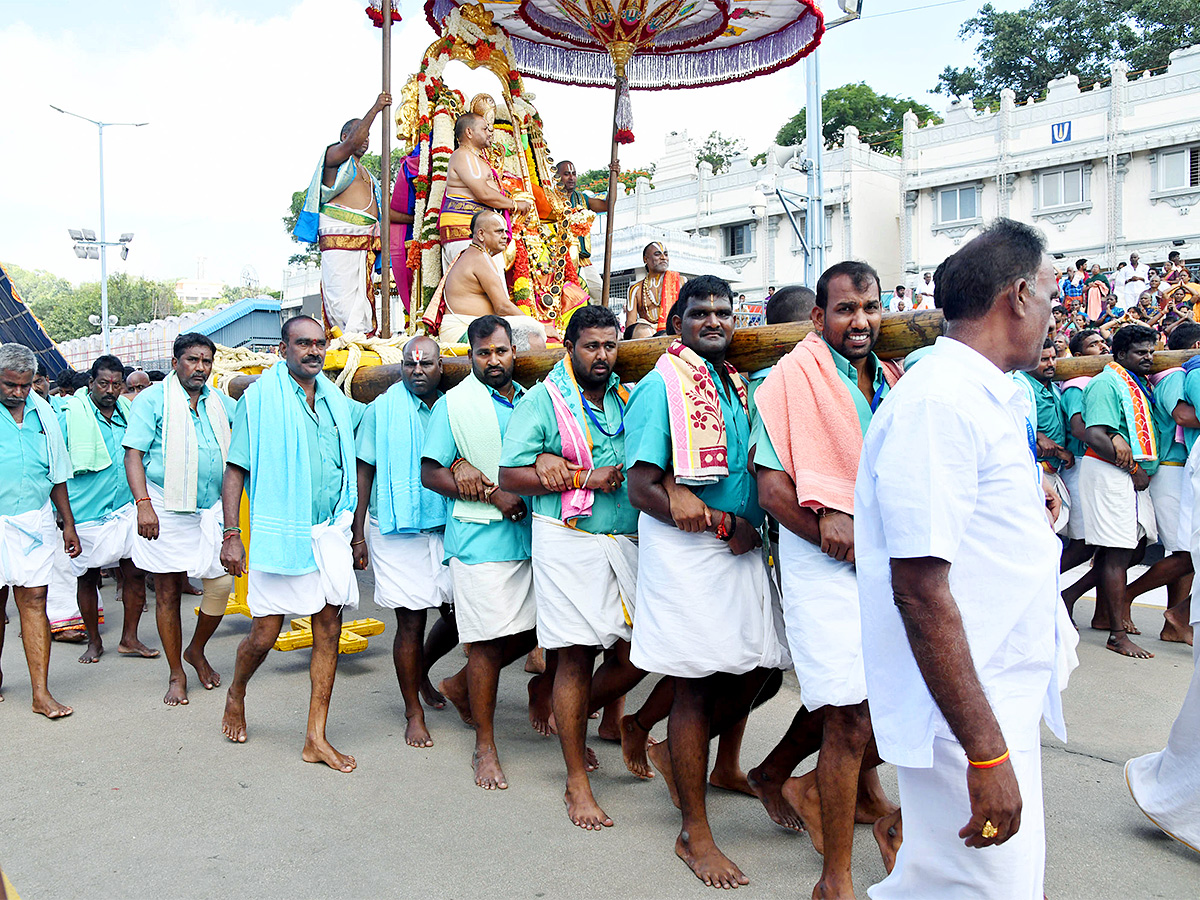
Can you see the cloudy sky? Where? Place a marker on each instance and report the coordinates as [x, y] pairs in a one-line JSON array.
[[241, 97]]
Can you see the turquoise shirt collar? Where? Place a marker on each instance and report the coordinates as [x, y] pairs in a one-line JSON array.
[[847, 368]]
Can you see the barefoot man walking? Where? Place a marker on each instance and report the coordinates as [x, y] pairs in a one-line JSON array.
[[293, 452]]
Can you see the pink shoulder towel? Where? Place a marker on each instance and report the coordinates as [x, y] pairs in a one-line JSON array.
[[813, 424]]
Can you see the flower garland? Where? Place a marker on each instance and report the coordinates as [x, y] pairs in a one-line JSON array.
[[375, 12]]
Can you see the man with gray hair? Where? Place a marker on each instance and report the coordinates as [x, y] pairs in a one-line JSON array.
[[32, 444]]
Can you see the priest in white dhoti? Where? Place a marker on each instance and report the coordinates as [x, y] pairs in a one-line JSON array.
[[293, 452], [813, 410], [399, 525], [341, 216], [94, 424], [966, 645], [704, 611], [565, 448], [487, 538], [36, 470], [175, 450]]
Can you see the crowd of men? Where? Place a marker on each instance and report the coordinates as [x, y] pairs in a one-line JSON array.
[[886, 530]]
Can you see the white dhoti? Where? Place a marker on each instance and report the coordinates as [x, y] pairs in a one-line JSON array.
[[1114, 514], [27, 545], [178, 545], [62, 594], [585, 585], [105, 542], [700, 609], [821, 617], [451, 250], [207, 564], [333, 583], [408, 569], [1166, 785], [344, 276], [934, 862], [493, 599], [1070, 477], [594, 279], [1166, 490], [525, 329]]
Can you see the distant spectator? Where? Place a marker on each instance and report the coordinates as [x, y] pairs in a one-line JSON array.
[[1174, 267], [741, 298], [1062, 345], [65, 382], [136, 382], [770, 293], [899, 296], [1132, 280], [793, 303], [1071, 287], [924, 294], [41, 381], [1095, 289], [156, 375]]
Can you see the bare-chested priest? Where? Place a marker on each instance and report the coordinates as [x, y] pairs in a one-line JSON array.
[[651, 299], [474, 287]]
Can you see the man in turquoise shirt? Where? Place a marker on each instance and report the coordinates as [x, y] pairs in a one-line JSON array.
[[1051, 420], [704, 611], [175, 537], [487, 538], [584, 533], [31, 444], [94, 422], [816, 560], [406, 558], [293, 431]]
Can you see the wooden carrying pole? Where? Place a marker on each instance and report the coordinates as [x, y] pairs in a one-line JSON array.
[[385, 170]]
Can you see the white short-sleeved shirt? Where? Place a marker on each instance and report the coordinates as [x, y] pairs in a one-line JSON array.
[[947, 472]]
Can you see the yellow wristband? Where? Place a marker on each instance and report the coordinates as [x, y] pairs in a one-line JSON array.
[[989, 764]]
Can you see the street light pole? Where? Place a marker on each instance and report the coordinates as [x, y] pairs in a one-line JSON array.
[[103, 235]]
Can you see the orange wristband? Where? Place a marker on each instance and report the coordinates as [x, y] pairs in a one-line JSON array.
[[991, 763]]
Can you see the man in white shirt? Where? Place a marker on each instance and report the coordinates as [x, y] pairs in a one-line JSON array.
[[1132, 280], [965, 642], [924, 292]]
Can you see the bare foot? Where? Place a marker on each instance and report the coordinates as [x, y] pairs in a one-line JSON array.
[[1129, 627], [233, 723], [1100, 619], [634, 741], [416, 734], [176, 691], [137, 648], [541, 713], [1175, 629], [321, 751], [889, 835], [457, 695], [731, 781], [803, 796], [583, 810], [207, 674], [488, 774], [95, 650], [590, 761], [660, 758], [50, 708], [873, 803], [430, 695], [69, 637], [832, 888], [188, 590], [535, 662], [708, 863], [770, 794], [610, 724], [1119, 643]]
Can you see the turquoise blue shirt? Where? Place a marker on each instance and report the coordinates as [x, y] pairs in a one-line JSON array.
[[1191, 394], [325, 461], [469, 542], [1167, 394], [1072, 402], [648, 439], [96, 494], [534, 430], [1050, 419], [753, 382], [365, 442], [26, 483], [145, 434]]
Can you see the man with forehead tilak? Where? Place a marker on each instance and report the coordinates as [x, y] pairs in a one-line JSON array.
[[399, 526], [650, 300], [565, 448]]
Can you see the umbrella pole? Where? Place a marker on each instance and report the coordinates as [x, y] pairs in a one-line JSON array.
[[612, 196], [385, 303]]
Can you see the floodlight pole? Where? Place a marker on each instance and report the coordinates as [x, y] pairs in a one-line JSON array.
[[103, 235]]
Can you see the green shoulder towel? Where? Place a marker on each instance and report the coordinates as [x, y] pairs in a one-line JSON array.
[[476, 431], [85, 442]]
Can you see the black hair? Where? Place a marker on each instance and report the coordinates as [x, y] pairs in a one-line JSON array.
[[127, 370], [1047, 343], [107, 363], [792, 303], [64, 378], [627, 335], [350, 123], [562, 162], [192, 339], [1077, 339], [860, 273], [1184, 336], [590, 317], [485, 326], [675, 310], [651, 244], [900, 287], [1081, 263], [700, 288], [972, 278], [1059, 308], [285, 330], [1132, 334], [1173, 256], [41, 371], [462, 124], [157, 375], [80, 380]]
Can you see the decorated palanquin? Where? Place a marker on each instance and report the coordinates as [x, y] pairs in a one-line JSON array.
[[542, 253]]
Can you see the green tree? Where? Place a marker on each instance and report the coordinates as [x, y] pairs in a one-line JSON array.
[[719, 150], [879, 118], [596, 180]]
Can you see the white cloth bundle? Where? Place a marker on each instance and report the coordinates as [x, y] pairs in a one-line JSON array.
[[27, 543], [105, 542], [304, 595]]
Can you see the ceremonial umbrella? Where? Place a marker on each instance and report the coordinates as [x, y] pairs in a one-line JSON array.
[[629, 44]]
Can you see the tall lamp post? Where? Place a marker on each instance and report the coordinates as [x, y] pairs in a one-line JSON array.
[[103, 243]]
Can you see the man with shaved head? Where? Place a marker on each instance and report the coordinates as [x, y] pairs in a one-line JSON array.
[[403, 537], [136, 382], [650, 300]]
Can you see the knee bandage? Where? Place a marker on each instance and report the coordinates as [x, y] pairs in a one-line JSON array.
[[216, 595]]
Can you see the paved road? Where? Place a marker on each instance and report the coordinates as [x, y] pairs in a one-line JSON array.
[[128, 798]]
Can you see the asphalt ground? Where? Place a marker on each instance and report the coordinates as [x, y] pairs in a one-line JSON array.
[[130, 799]]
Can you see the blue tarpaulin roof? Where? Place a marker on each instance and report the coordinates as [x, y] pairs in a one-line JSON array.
[[18, 325], [243, 307]]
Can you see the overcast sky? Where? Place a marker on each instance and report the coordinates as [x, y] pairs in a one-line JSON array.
[[243, 95]]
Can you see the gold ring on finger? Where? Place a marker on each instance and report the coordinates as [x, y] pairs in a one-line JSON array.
[[989, 830]]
